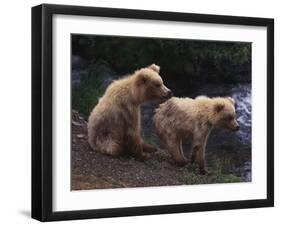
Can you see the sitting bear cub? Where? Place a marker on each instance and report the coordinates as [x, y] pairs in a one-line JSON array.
[[179, 118], [114, 124]]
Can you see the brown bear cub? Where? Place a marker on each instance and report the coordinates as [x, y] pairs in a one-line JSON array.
[[114, 126], [180, 118]]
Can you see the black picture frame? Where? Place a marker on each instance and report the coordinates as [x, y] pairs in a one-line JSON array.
[[42, 111]]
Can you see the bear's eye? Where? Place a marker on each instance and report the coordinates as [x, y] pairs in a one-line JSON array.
[[230, 117], [157, 85]]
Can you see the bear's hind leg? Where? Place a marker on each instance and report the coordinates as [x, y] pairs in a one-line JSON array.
[[174, 146]]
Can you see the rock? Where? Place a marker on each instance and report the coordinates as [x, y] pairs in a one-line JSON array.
[[77, 62], [77, 75], [77, 123], [81, 135]]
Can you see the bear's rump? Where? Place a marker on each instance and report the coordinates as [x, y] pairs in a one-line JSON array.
[[111, 130], [103, 129]]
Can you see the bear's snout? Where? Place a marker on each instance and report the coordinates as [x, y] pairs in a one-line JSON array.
[[166, 93], [236, 128], [169, 94]]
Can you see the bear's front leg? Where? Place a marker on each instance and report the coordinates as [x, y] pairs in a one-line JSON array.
[[148, 148], [135, 147], [197, 157], [198, 152]]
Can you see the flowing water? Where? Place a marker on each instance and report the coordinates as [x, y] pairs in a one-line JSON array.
[[242, 95]]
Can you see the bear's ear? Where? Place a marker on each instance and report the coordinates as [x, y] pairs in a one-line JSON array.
[[141, 79], [219, 107], [154, 67], [231, 100]]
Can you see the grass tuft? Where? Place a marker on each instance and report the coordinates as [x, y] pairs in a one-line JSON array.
[[190, 175]]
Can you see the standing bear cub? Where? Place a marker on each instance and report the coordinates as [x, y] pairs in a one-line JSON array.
[[179, 118], [114, 125]]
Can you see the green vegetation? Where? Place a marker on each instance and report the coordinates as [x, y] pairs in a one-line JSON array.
[[190, 175], [86, 96], [190, 62], [149, 138]]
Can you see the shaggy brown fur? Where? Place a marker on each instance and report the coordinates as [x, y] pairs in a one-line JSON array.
[[114, 125], [179, 118]]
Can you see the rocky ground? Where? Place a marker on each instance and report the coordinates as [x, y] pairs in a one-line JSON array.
[[92, 170]]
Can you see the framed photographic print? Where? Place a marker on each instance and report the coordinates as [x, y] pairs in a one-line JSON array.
[[146, 112]]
